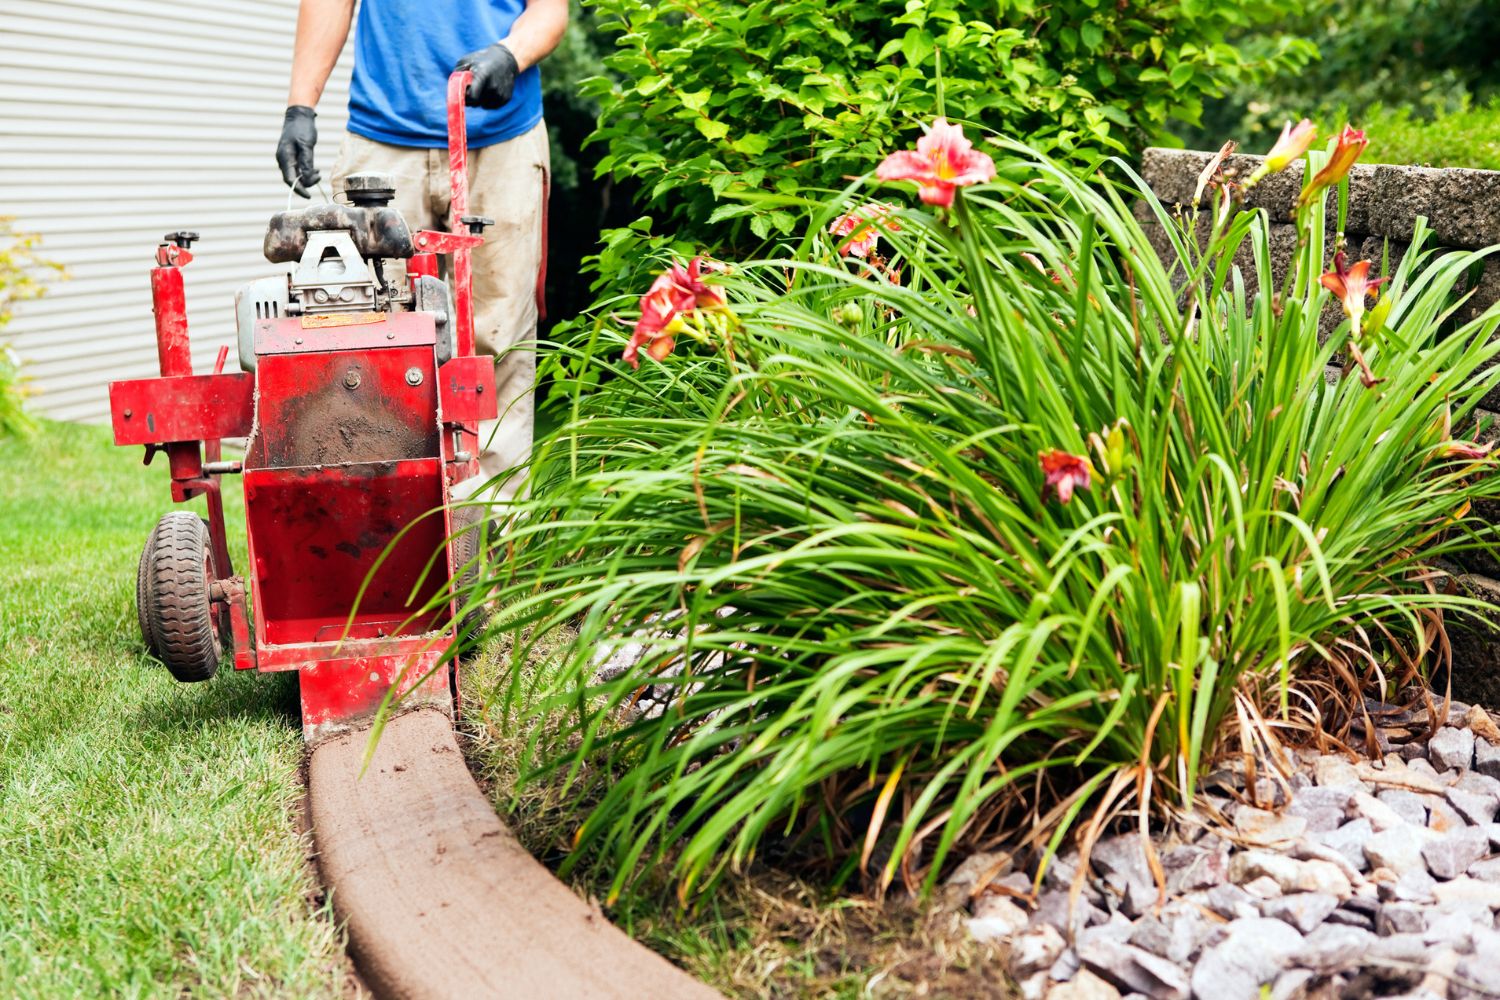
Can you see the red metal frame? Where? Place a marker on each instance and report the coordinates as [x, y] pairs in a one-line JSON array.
[[355, 436]]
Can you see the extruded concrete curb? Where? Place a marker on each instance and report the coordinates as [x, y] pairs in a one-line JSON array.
[[439, 898]]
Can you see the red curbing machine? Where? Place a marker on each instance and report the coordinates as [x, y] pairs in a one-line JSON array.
[[359, 397]]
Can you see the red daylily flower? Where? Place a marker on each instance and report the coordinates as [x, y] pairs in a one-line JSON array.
[[1293, 142], [944, 161], [1351, 143], [1352, 285], [863, 226], [1064, 473], [678, 291]]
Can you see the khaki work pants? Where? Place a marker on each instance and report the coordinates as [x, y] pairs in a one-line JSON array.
[[507, 183]]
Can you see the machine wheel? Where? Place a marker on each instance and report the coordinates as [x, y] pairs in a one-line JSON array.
[[143, 595], [180, 615], [466, 540]]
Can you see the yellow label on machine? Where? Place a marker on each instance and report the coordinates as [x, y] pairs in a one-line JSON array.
[[341, 319]]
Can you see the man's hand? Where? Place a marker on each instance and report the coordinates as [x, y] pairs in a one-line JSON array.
[[294, 153], [494, 72]]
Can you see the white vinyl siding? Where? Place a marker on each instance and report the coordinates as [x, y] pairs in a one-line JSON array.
[[122, 120]]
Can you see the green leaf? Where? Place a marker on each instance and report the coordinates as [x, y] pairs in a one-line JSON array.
[[648, 85], [752, 144], [711, 130]]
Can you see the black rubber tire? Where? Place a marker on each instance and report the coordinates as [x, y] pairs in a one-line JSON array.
[[181, 614], [143, 595], [466, 541]]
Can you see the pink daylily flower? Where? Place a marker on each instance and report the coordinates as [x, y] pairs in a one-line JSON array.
[[1293, 142], [863, 226], [674, 293], [944, 161], [1064, 473]]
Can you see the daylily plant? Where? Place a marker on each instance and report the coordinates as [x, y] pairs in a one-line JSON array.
[[943, 161]]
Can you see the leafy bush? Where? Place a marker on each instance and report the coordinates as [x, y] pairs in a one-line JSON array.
[[1427, 57], [21, 278], [713, 98], [998, 531]]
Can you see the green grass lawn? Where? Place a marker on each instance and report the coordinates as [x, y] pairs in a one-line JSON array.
[[148, 844]]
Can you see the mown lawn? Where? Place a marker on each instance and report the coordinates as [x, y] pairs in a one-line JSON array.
[[148, 841]]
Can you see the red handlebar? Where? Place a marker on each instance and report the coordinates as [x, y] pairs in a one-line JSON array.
[[458, 180]]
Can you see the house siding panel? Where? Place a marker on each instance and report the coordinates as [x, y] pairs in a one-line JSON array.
[[165, 118]]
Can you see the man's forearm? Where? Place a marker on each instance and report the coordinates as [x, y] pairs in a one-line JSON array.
[[536, 32], [322, 29]]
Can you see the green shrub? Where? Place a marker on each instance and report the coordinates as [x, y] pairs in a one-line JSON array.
[[868, 621], [713, 98], [1429, 57], [21, 277], [1468, 137]]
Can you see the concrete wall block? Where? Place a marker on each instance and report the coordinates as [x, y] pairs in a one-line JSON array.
[[1462, 206], [1476, 645]]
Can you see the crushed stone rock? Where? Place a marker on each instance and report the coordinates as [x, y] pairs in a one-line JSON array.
[[1451, 855], [1333, 770], [1465, 889], [1398, 848], [1407, 805], [1475, 808], [1034, 951], [1134, 969], [996, 918], [1259, 826], [1487, 758], [1380, 816], [1303, 910], [1349, 841], [1084, 986], [1450, 748], [1255, 950]]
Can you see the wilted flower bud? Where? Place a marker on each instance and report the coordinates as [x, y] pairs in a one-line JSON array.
[[1292, 144]]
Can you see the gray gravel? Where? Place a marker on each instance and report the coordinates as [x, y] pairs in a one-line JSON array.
[[1372, 878]]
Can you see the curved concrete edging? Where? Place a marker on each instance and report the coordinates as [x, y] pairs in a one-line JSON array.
[[439, 898]]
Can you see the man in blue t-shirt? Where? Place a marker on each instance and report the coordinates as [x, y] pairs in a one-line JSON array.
[[404, 51]]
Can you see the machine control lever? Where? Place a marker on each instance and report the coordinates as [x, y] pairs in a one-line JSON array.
[[476, 222]]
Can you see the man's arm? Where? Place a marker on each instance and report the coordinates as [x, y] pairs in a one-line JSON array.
[[537, 31], [532, 38], [322, 29]]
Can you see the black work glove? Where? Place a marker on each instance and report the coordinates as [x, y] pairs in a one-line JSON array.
[[294, 153], [494, 72]]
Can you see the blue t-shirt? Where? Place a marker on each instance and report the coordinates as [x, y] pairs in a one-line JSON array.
[[404, 51]]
